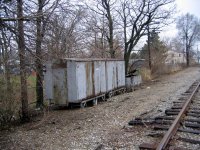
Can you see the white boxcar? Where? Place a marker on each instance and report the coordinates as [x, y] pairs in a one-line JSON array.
[[74, 80]]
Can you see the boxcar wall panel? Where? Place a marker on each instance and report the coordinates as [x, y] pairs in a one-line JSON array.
[[71, 81], [99, 77], [60, 86], [102, 77], [108, 76], [111, 75], [114, 75], [120, 74], [90, 90], [48, 81], [114, 78], [123, 78], [81, 81]]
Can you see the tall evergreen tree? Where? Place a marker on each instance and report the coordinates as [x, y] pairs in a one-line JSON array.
[[158, 51]]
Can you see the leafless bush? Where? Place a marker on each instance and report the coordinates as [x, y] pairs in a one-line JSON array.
[[8, 103]]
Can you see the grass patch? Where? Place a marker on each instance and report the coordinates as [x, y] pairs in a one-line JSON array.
[[31, 80], [15, 83]]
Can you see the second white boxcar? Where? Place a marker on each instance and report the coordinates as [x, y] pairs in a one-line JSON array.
[[76, 80]]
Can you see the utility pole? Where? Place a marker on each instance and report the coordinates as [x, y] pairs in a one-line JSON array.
[[198, 54], [187, 51], [149, 49]]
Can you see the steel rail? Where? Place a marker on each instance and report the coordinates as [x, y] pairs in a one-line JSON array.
[[174, 127]]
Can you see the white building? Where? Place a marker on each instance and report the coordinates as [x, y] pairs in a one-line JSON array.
[[174, 57]]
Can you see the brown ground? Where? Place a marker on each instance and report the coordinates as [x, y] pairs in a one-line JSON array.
[[103, 126]]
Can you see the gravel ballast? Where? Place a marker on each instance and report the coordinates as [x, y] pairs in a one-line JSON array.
[[104, 126]]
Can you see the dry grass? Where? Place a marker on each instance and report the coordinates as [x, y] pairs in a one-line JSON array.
[[170, 69], [146, 74], [159, 70], [10, 103]]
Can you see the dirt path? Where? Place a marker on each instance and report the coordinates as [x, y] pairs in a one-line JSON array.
[[103, 126]]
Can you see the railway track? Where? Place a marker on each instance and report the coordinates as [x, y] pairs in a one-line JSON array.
[[179, 128]]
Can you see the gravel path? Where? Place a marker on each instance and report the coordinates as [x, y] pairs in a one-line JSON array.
[[103, 126]]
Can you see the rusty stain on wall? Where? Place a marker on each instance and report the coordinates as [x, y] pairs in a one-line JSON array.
[[93, 87]]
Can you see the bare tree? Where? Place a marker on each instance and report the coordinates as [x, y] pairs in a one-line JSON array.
[[176, 44], [189, 29], [97, 44], [12, 29], [42, 19], [65, 36], [38, 60], [106, 4], [139, 16], [21, 47], [105, 9]]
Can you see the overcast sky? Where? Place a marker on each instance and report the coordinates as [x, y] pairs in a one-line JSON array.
[[183, 6], [191, 6]]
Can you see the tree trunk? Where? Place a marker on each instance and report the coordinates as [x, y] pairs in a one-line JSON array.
[[187, 51], [106, 6], [112, 51], [149, 48], [126, 59], [38, 62], [21, 51], [187, 56]]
